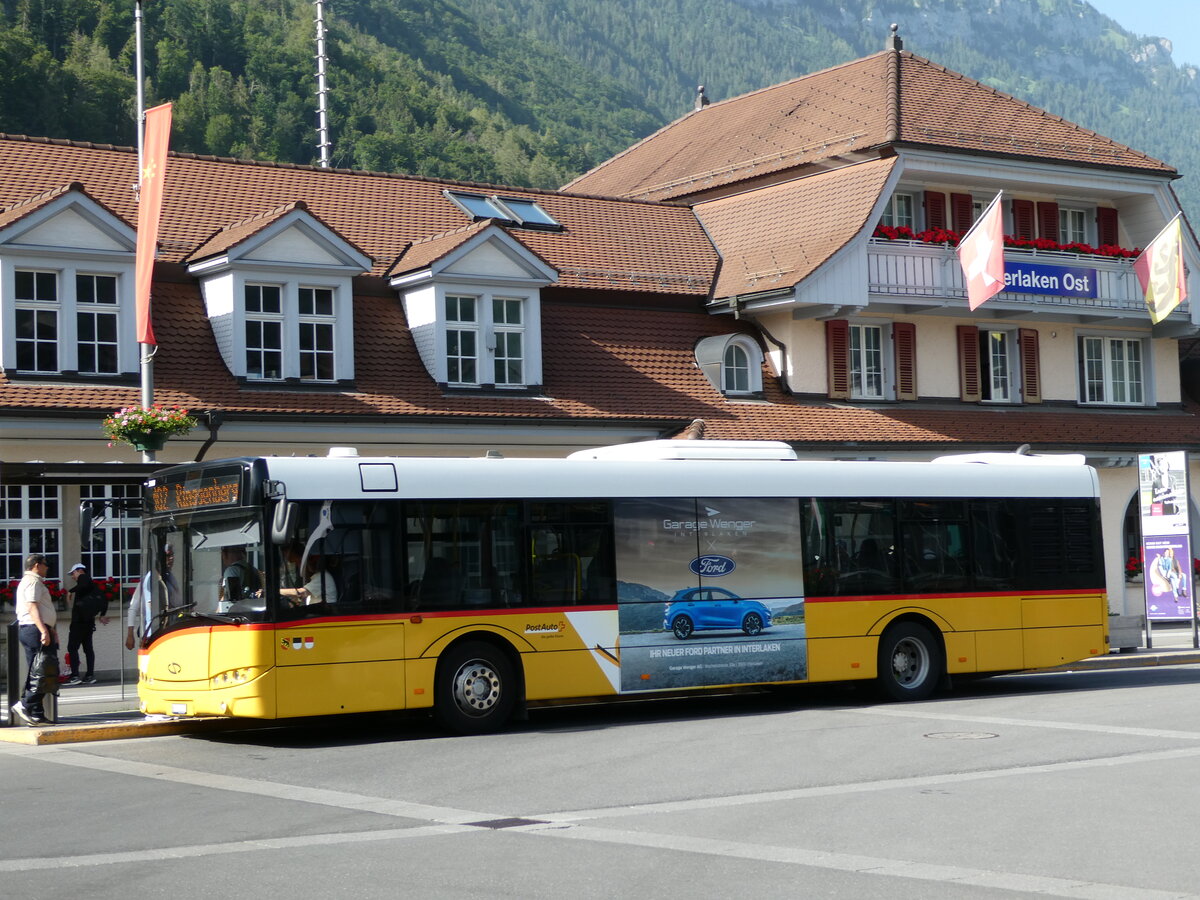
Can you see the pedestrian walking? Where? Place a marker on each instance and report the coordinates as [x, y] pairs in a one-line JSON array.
[[36, 620], [89, 604]]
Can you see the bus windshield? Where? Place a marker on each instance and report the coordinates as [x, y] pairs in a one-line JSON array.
[[215, 563]]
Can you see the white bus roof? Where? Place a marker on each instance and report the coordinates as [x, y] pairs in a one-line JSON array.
[[481, 478]]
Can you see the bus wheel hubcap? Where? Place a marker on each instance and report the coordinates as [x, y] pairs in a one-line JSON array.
[[476, 687], [909, 662]]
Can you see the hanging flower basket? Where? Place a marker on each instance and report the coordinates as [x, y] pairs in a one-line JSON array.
[[147, 428]]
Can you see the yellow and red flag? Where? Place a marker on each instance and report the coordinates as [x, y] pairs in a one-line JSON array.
[[981, 255], [150, 195], [1160, 271]]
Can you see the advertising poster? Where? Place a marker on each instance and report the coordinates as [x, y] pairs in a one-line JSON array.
[[1168, 577], [709, 592], [1166, 543]]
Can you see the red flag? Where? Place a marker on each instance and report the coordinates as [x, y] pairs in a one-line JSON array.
[[1160, 271], [150, 194], [981, 254]]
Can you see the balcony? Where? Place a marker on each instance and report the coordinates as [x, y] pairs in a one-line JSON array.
[[922, 277]]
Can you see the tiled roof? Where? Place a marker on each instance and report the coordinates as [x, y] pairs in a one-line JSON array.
[[429, 250], [21, 208], [887, 99], [777, 236], [236, 232], [605, 244]]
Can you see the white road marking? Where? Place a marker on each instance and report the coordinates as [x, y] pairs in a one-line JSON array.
[[194, 850], [566, 825]]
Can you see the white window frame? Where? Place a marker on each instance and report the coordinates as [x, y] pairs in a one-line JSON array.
[[989, 382], [462, 329], [493, 340], [31, 515], [98, 310], [263, 319], [508, 337], [1108, 375], [858, 367], [894, 215], [67, 309], [751, 354], [1085, 221], [225, 295], [39, 307], [317, 334]]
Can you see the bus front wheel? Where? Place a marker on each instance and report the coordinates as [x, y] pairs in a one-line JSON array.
[[910, 662], [476, 688]]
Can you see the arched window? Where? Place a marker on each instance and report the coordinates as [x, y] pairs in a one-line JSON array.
[[735, 373]]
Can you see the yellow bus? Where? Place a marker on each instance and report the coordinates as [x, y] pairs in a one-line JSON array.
[[477, 588]]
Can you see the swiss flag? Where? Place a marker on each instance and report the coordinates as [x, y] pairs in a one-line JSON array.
[[981, 254]]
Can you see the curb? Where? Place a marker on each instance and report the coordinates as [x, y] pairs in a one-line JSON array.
[[116, 730], [1130, 661]]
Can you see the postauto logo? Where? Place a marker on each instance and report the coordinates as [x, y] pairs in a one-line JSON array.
[[712, 566]]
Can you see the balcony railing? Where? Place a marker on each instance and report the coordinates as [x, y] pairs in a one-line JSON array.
[[907, 270]]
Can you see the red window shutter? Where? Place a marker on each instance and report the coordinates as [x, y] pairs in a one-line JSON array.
[[837, 356], [1048, 221], [962, 212], [1031, 382], [1106, 226], [935, 209], [969, 388], [904, 342], [1022, 213]]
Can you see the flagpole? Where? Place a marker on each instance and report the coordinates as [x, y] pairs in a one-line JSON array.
[[146, 351]]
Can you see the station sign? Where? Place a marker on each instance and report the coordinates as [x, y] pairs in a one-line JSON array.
[[1058, 281]]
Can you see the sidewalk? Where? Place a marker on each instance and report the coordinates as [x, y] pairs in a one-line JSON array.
[[106, 712]]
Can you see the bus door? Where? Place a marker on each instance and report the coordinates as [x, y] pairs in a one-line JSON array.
[[337, 649]]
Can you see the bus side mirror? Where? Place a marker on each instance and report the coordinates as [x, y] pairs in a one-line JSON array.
[[87, 520], [283, 523]]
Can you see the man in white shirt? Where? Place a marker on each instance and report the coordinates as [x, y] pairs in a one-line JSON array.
[[37, 620]]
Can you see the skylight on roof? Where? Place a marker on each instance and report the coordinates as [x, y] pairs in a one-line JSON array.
[[508, 210], [528, 212]]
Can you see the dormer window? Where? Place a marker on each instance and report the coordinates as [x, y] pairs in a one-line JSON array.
[[508, 210], [472, 298], [66, 288], [278, 292], [732, 363]]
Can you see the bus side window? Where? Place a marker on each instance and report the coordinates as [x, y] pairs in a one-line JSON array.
[[463, 554], [570, 553], [865, 533], [994, 542]]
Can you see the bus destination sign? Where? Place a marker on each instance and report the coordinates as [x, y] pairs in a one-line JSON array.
[[220, 489]]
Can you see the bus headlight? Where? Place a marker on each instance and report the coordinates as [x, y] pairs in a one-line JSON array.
[[233, 677]]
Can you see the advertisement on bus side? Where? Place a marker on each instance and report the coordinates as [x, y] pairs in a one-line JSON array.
[[709, 592]]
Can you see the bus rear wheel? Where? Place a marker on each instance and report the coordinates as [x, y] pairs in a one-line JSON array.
[[910, 662], [476, 688]]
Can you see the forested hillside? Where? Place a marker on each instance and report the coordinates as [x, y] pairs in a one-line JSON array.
[[535, 91]]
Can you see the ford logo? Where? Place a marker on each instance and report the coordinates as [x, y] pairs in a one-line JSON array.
[[712, 566]]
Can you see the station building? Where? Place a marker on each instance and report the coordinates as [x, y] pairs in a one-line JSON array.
[[777, 266]]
